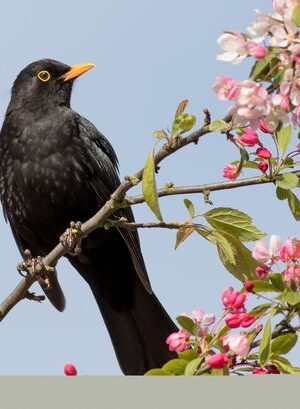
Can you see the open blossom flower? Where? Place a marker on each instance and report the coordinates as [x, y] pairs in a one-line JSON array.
[[226, 88], [234, 45], [237, 320], [238, 343], [263, 126], [234, 300], [217, 360], [177, 341], [263, 153], [261, 25], [230, 172], [290, 250], [203, 318], [249, 138], [264, 254], [296, 116], [251, 105]]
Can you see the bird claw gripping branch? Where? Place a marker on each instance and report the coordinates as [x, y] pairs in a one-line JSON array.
[[71, 239], [37, 269]]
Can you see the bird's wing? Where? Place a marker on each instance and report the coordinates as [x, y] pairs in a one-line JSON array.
[[102, 163]]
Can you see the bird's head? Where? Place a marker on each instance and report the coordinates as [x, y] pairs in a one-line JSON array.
[[46, 83]]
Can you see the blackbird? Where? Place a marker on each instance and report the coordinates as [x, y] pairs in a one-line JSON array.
[[55, 166]]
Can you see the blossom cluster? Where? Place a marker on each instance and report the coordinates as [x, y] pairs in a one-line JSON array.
[[275, 40], [288, 253], [234, 346]]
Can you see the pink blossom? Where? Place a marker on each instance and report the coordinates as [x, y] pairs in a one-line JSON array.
[[234, 300], [263, 166], [261, 271], [249, 138], [238, 343], [252, 104], [202, 318], [264, 254], [296, 116], [263, 126], [226, 88], [292, 274], [263, 153], [237, 320], [261, 25], [217, 360], [290, 250], [230, 171], [177, 341], [256, 50], [282, 101], [260, 371], [234, 45]]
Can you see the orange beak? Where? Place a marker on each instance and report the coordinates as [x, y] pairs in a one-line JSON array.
[[77, 70]]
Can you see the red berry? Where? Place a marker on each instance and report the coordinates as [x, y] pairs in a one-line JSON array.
[[70, 370]]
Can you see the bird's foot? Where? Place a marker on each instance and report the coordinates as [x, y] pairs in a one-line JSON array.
[[34, 297], [36, 268], [71, 239]]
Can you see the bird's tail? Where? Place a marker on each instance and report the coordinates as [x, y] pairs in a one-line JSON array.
[[137, 323]]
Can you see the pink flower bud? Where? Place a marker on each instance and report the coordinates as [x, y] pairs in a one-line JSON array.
[[249, 286], [249, 138], [217, 360], [255, 50], [261, 271], [247, 320], [263, 153], [230, 171], [238, 343], [234, 321], [260, 371], [290, 250], [263, 126], [177, 341], [258, 329], [243, 320], [70, 370], [233, 300], [263, 166]]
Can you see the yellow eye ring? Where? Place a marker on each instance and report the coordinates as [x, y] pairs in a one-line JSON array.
[[44, 76]]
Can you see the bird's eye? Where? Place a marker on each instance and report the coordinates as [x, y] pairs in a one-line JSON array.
[[44, 76]]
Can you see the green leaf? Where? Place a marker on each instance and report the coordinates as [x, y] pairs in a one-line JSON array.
[[192, 366], [284, 136], [183, 123], [282, 194], [223, 331], [183, 233], [277, 281], [188, 355], [265, 344], [287, 181], [188, 324], [234, 222], [160, 134], [260, 310], [158, 372], [296, 15], [261, 68], [292, 298], [243, 160], [262, 286], [285, 366], [218, 125], [149, 186], [283, 344], [219, 371], [176, 366], [294, 205], [190, 207], [236, 258]]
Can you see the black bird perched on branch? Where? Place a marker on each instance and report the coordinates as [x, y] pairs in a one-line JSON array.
[[55, 166]]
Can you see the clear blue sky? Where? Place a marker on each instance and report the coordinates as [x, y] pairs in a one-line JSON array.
[[149, 56]]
